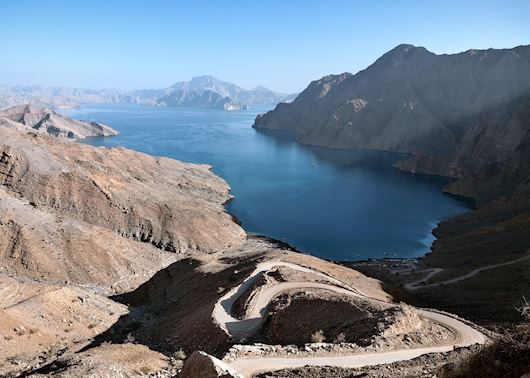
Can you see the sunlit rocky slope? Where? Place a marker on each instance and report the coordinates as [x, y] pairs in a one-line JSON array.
[[113, 262], [38, 120]]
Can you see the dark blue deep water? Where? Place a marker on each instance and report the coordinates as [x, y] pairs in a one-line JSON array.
[[336, 204]]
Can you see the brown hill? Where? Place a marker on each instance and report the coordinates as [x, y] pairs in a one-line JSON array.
[[78, 223], [77, 213]]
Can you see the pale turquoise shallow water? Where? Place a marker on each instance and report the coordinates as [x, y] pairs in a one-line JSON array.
[[336, 204]]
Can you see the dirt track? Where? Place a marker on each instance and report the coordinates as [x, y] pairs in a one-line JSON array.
[[465, 335], [421, 283]]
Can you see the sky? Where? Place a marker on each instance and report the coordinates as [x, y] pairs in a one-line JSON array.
[[282, 45]]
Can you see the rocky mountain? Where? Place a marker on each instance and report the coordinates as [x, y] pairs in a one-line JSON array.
[[203, 99], [465, 116], [116, 262], [200, 91], [209, 92], [38, 120], [256, 96], [458, 115]]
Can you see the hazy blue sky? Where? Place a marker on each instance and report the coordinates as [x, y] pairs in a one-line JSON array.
[[280, 44]]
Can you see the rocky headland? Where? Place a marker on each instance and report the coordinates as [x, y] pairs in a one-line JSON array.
[[465, 116], [39, 120]]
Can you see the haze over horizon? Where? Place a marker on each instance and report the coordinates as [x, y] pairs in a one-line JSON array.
[[162, 214], [280, 45]]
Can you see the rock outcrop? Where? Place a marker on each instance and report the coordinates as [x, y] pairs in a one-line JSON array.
[[45, 121], [202, 365]]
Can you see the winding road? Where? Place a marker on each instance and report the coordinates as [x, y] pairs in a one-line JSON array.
[[241, 329], [422, 283]]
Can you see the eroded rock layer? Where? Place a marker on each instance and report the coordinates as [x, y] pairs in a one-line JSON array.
[[39, 120]]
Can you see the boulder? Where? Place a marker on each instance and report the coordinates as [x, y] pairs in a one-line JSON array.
[[202, 365]]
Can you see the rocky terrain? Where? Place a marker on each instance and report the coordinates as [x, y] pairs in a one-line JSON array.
[[200, 91], [61, 198], [465, 116], [79, 223], [494, 234], [33, 119], [116, 263]]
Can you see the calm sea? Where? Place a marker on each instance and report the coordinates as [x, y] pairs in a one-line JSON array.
[[336, 204]]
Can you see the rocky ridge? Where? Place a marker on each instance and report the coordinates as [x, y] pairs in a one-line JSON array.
[[78, 223], [463, 115], [39, 120], [79, 192]]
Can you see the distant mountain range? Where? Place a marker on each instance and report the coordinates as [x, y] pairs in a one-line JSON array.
[[200, 91]]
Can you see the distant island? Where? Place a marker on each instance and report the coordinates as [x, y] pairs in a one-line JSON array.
[[199, 92]]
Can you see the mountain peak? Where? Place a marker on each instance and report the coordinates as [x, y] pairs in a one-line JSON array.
[[408, 49], [204, 79], [261, 88], [403, 54]]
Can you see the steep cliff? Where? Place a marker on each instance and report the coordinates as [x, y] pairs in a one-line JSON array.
[[459, 115]]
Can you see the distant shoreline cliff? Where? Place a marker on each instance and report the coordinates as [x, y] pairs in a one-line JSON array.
[[37, 120]]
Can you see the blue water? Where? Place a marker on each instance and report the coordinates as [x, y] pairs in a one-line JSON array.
[[336, 204]]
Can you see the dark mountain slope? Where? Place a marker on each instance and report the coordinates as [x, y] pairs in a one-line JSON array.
[[431, 106], [465, 116]]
